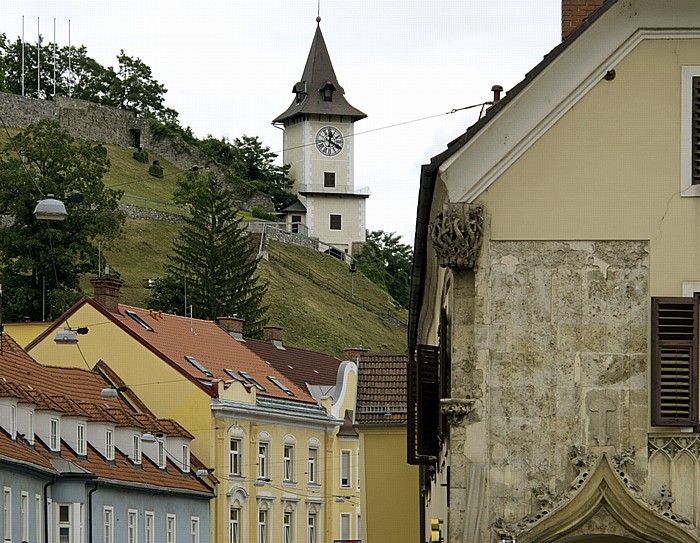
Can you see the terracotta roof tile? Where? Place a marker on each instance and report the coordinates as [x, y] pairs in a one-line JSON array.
[[300, 365], [381, 390], [21, 451]]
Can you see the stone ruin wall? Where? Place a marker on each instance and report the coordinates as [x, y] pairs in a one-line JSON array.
[[558, 335]]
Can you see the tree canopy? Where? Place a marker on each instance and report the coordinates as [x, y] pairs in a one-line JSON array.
[[40, 262], [387, 262], [213, 262]]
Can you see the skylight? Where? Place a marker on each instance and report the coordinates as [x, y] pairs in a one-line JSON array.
[[280, 384], [192, 360], [251, 380], [233, 375], [139, 320]]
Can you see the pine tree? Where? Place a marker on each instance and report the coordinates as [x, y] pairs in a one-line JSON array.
[[212, 260]]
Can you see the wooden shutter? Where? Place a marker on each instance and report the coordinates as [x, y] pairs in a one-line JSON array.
[[424, 405], [695, 143], [674, 380]]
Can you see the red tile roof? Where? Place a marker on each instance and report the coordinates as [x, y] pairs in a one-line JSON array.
[[300, 365], [21, 451], [381, 390]]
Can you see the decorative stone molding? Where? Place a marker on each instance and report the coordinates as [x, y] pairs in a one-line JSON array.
[[600, 480], [456, 234], [674, 445], [456, 409]]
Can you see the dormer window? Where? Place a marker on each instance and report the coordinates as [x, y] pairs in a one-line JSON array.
[[161, 453], [136, 456], [81, 446], [54, 435], [109, 445], [186, 458], [327, 91], [300, 90], [13, 421]]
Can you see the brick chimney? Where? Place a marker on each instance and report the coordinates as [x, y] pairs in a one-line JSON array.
[[275, 335], [232, 325], [574, 12], [355, 353], [106, 291]]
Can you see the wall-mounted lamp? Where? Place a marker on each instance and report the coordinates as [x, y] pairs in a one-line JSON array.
[[148, 437], [68, 334], [50, 209], [204, 472], [111, 392]]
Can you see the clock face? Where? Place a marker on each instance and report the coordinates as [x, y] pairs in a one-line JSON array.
[[329, 141]]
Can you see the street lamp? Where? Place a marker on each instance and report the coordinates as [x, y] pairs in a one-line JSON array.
[[50, 209]]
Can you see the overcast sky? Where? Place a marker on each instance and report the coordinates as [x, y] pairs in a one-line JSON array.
[[229, 67]]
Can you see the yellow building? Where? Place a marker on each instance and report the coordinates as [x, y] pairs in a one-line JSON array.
[[390, 486], [273, 447]]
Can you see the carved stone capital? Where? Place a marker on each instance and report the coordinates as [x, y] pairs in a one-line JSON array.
[[456, 409], [456, 235]]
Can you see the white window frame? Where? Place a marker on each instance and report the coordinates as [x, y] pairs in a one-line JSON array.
[[55, 434], [80, 439], [30, 427], [312, 466], [136, 450], [132, 526], [108, 524], [13, 422], [263, 525], [149, 527], [170, 528], [288, 463], [357, 470], [311, 527], [24, 516], [49, 519], [287, 523], [64, 524], [38, 521], [345, 468], [186, 458], [194, 529], [344, 526], [162, 457], [109, 444], [235, 456], [687, 187], [263, 460], [330, 222], [7, 513], [234, 525]]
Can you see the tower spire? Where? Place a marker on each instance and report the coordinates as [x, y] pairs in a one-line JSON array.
[[318, 12]]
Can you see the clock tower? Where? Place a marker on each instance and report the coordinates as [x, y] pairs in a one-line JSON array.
[[319, 147]]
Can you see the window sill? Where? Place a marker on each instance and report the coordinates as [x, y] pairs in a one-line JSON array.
[[289, 484], [262, 482], [313, 486]]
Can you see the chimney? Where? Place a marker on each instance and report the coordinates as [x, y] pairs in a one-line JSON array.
[[574, 12], [355, 353], [232, 325], [274, 334], [106, 291], [496, 90]]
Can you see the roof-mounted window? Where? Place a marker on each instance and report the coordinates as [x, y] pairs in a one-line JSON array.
[[251, 380], [300, 90], [327, 91], [138, 319], [281, 385], [233, 375], [192, 360]]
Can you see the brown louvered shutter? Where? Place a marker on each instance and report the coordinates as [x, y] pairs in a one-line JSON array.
[[423, 405], [674, 380], [695, 167]]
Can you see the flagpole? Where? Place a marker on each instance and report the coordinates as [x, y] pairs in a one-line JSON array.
[[38, 59], [22, 78]]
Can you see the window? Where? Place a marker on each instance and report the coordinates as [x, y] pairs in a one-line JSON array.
[[690, 131], [359, 527], [108, 522], [170, 529], [137, 449], [674, 361], [296, 221], [132, 526], [263, 461], [194, 530], [280, 385], [234, 525], [149, 521], [345, 469], [139, 320], [251, 379], [30, 427], [54, 435], [329, 180], [423, 404], [336, 222], [13, 421], [81, 447], [7, 513], [49, 520], [192, 360], [357, 469], [288, 463], [24, 516], [344, 526], [262, 525], [312, 466], [287, 527], [311, 528], [64, 524], [109, 445], [161, 454], [38, 523], [235, 450], [186, 458]]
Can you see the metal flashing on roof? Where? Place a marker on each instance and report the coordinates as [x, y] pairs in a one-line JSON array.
[[138, 319], [192, 360]]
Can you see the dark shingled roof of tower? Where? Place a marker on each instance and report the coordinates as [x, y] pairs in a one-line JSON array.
[[381, 390], [317, 72]]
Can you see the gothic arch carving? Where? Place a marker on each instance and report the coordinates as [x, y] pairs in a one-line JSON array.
[[605, 486]]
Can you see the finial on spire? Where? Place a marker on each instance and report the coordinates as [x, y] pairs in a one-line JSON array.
[[318, 13]]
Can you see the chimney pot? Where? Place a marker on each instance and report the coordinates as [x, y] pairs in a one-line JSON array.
[[496, 90], [273, 334], [355, 353], [106, 291], [574, 13], [232, 325]]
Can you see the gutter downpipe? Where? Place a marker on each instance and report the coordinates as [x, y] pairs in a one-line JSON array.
[[89, 512], [429, 173], [46, 507]]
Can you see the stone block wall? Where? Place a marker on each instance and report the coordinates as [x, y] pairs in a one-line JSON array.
[[559, 348]]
